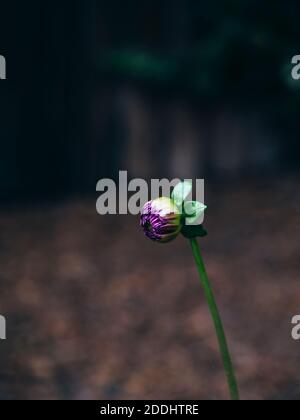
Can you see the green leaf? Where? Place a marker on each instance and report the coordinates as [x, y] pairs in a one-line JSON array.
[[191, 232], [192, 211], [181, 192]]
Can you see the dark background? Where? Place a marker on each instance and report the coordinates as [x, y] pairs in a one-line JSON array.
[[162, 89]]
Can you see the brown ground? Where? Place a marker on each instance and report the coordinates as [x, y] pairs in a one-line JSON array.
[[95, 310]]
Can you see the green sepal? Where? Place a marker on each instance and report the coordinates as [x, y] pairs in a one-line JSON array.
[[191, 232], [192, 211], [181, 192]]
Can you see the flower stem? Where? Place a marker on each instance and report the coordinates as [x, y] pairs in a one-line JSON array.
[[227, 362]]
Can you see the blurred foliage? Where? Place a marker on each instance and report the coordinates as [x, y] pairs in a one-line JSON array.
[[220, 49], [141, 65]]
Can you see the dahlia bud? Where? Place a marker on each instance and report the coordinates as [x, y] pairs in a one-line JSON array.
[[161, 220]]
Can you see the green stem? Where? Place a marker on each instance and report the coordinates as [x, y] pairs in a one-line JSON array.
[[228, 366]]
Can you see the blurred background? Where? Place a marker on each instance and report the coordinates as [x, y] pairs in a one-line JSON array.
[[168, 88]]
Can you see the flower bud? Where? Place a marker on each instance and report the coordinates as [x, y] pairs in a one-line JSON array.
[[161, 220]]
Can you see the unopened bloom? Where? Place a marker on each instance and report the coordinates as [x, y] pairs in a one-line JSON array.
[[161, 220]]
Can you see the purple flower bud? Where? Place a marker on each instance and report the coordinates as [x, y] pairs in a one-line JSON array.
[[161, 220]]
